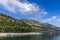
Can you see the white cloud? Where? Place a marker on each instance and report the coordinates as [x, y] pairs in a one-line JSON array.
[[53, 20], [25, 8]]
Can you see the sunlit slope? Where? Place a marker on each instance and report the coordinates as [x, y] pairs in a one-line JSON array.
[[10, 24]]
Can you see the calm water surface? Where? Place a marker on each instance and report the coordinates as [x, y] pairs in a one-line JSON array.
[[36, 37], [55, 37]]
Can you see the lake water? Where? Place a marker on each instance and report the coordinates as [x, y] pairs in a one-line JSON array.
[[57, 37], [36, 37]]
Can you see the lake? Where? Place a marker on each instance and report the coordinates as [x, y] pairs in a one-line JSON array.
[[36, 37], [57, 37]]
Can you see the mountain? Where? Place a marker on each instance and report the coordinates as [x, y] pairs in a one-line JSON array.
[[43, 27], [10, 24]]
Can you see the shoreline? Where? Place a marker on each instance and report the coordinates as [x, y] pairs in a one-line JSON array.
[[17, 34]]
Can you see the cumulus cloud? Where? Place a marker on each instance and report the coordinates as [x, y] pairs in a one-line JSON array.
[[23, 7], [53, 20]]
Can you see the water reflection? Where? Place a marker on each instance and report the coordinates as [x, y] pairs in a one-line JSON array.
[[36, 37]]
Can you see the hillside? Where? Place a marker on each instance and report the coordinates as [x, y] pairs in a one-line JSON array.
[[10, 24], [43, 27]]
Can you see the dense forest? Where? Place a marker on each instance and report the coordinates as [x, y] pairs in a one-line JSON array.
[[10, 24]]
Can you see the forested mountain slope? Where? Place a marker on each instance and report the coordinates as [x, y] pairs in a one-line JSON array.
[[10, 24]]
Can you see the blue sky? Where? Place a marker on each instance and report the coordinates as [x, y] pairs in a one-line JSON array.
[[47, 11]]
